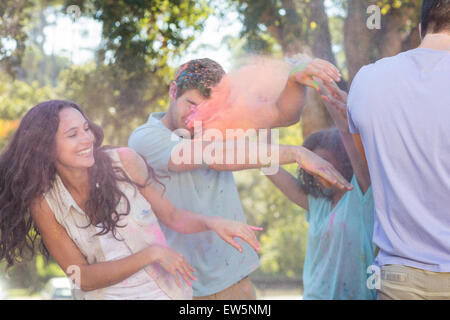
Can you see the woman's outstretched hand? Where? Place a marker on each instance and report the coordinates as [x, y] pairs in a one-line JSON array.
[[173, 262], [322, 169], [335, 101], [228, 230]]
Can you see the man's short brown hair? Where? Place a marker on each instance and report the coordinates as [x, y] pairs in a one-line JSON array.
[[200, 74], [435, 16]]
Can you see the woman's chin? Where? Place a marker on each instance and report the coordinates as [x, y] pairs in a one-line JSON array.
[[91, 163], [87, 163]]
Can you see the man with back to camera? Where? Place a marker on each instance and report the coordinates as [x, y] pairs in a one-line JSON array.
[[399, 113], [209, 188]]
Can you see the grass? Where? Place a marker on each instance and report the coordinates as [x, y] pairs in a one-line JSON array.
[[278, 290], [262, 291], [22, 293]]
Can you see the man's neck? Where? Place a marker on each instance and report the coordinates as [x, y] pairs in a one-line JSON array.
[[167, 121], [436, 41]]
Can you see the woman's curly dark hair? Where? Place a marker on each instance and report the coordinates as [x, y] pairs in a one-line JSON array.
[[329, 140], [27, 171]]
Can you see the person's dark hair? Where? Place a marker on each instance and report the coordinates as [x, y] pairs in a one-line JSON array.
[[200, 74], [329, 140], [27, 171], [435, 16]]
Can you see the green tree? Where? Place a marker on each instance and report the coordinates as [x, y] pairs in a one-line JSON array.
[[13, 17], [131, 64], [131, 76], [399, 31], [17, 97]]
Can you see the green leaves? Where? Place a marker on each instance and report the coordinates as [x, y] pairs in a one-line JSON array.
[[149, 30], [13, 17]]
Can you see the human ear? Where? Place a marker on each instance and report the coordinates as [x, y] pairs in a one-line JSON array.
[[173, 91]]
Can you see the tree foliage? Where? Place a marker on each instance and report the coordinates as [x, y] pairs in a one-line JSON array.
[[343, 39], [16, 97], [13, 17]]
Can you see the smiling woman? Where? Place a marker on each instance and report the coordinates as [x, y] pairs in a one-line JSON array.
[[56, 178], [74, 141], [52, 138]]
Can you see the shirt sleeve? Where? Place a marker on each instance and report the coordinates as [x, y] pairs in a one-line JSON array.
[[155, 145], [355, 100], [366, 205], [315, 205], [351, 124], [364, 197]]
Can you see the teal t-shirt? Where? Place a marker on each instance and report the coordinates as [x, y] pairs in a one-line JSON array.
[[213, 193], [339, 248]]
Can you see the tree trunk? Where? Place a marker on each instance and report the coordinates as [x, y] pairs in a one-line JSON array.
[[314, 115], [364, 46], [358, 39]]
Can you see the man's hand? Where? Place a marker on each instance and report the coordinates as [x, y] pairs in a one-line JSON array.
[[228, 229], [307, 68]]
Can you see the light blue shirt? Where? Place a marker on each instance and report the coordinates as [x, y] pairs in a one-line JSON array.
[[401, 108], [339, 248], [217, 264]]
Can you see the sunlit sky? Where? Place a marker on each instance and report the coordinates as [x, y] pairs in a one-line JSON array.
[[77, 39]]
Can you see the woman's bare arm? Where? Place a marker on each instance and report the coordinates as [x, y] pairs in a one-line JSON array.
[[287, 183], [180, 220], [102, 274], [66, 253], [336, 104]]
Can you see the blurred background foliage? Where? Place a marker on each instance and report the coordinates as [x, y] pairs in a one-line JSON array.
[[130, 71]]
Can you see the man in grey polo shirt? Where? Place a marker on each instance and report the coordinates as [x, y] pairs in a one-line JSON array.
[[209, 189]]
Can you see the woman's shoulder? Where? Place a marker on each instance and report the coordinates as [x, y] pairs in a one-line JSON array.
[[39, 206], [112, 152], [132, 162], [55, 193], [126, 156], [124, 153]]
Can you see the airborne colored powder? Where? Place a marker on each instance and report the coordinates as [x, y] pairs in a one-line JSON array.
[[246, 97]]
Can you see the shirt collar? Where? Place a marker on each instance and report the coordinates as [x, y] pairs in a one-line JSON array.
[[156, 116], [66, 198], [155, 119]]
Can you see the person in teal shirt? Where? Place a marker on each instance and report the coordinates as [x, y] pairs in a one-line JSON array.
[[339, 248]]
